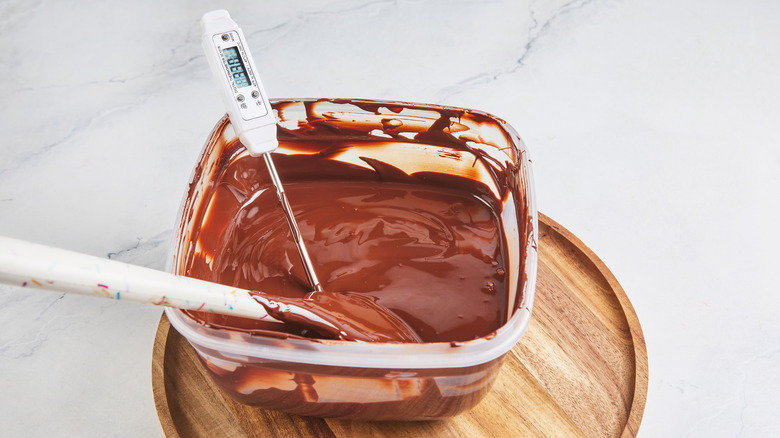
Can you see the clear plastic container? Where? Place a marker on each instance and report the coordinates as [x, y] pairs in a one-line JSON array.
[[375, 381]]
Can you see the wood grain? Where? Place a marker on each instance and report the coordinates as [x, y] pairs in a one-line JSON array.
[[580, 370]]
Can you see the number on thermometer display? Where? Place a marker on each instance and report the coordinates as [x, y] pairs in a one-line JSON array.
[[236, 66]]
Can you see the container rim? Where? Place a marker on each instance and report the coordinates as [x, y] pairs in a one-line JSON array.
[[360, 354]]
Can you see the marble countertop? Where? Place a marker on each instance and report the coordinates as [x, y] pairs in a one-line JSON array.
[[652, 127]]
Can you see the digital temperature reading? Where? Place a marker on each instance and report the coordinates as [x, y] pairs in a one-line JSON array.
[[237, 68]]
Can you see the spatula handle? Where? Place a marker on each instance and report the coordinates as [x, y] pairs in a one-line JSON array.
[[28, 264]]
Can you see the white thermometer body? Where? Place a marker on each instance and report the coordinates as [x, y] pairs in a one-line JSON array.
[[248, 108], [241, 89]]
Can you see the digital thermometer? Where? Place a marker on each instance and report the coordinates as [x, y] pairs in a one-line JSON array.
[[242, 92], [248, 108]]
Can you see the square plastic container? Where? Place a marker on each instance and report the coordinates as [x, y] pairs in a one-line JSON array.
[[374, 381]]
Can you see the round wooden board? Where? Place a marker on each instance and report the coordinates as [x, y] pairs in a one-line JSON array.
[[579, 370]]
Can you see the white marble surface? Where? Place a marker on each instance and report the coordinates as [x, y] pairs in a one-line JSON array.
[[653, 127]]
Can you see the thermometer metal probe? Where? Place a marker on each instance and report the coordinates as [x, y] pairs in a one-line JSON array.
[[248, 108]]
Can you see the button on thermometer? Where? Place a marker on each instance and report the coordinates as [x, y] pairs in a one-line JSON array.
[[248, 108]]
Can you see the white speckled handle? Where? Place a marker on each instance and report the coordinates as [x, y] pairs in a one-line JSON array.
[[28, 264]]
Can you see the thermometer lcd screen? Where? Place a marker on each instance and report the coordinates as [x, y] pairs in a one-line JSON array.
[[236, 66]]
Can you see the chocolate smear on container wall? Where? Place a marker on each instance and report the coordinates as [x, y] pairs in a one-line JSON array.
[[427, 242]]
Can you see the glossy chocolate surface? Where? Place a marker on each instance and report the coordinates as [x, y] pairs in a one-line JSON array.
[[430, 252]]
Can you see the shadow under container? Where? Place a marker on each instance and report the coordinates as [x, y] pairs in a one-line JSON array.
[[375, 381]]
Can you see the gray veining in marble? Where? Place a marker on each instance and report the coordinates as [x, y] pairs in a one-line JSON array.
[[652, 127]]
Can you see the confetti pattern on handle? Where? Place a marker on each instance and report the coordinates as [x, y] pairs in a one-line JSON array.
[[31, 265]]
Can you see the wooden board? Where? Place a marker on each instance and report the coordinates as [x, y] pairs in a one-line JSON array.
[[580, 370]]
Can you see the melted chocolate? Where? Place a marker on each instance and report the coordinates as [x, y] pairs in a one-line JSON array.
[[431, 253], [343, 316]]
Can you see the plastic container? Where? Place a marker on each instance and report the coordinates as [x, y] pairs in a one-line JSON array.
[[375, 381]]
